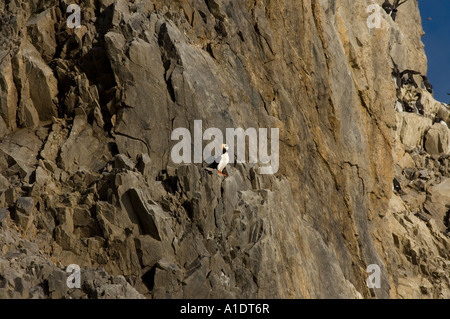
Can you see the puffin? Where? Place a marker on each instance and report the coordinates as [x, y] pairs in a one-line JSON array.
[[419, 104], [387, 6], [221, 161], [396, 186], [410, 79], [407, 107], [427, 84]]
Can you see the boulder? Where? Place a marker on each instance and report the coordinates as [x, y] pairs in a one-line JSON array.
[[148, 250], [438, 203], [122, 161], [113, 221], [37, 85], [437, 139], [3, 214], [57, 284], [4, 130], [8, 94], [443, 114], [77, 150], [411, 128], [152, 217], [41, 32], [18, 154], [4, 183], [144, 164], [24, 213]]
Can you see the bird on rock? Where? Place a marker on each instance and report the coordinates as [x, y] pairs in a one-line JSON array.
[[221, 161], [427, 84], [387, 6]]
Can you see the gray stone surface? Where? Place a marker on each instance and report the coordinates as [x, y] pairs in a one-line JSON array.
[[3, 214], [85, 140], [437, 139]]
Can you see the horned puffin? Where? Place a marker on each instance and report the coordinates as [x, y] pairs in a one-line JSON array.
[[387, 6], [221, 161], [427, 84]]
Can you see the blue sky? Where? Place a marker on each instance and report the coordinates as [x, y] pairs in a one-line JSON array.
[[436, 23]]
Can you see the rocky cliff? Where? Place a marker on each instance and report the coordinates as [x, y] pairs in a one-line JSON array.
[[87, 177]]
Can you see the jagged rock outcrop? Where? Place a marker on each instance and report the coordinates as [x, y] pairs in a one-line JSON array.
[[86, 176]]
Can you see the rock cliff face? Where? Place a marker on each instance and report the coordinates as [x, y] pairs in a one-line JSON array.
[[87, 177]]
